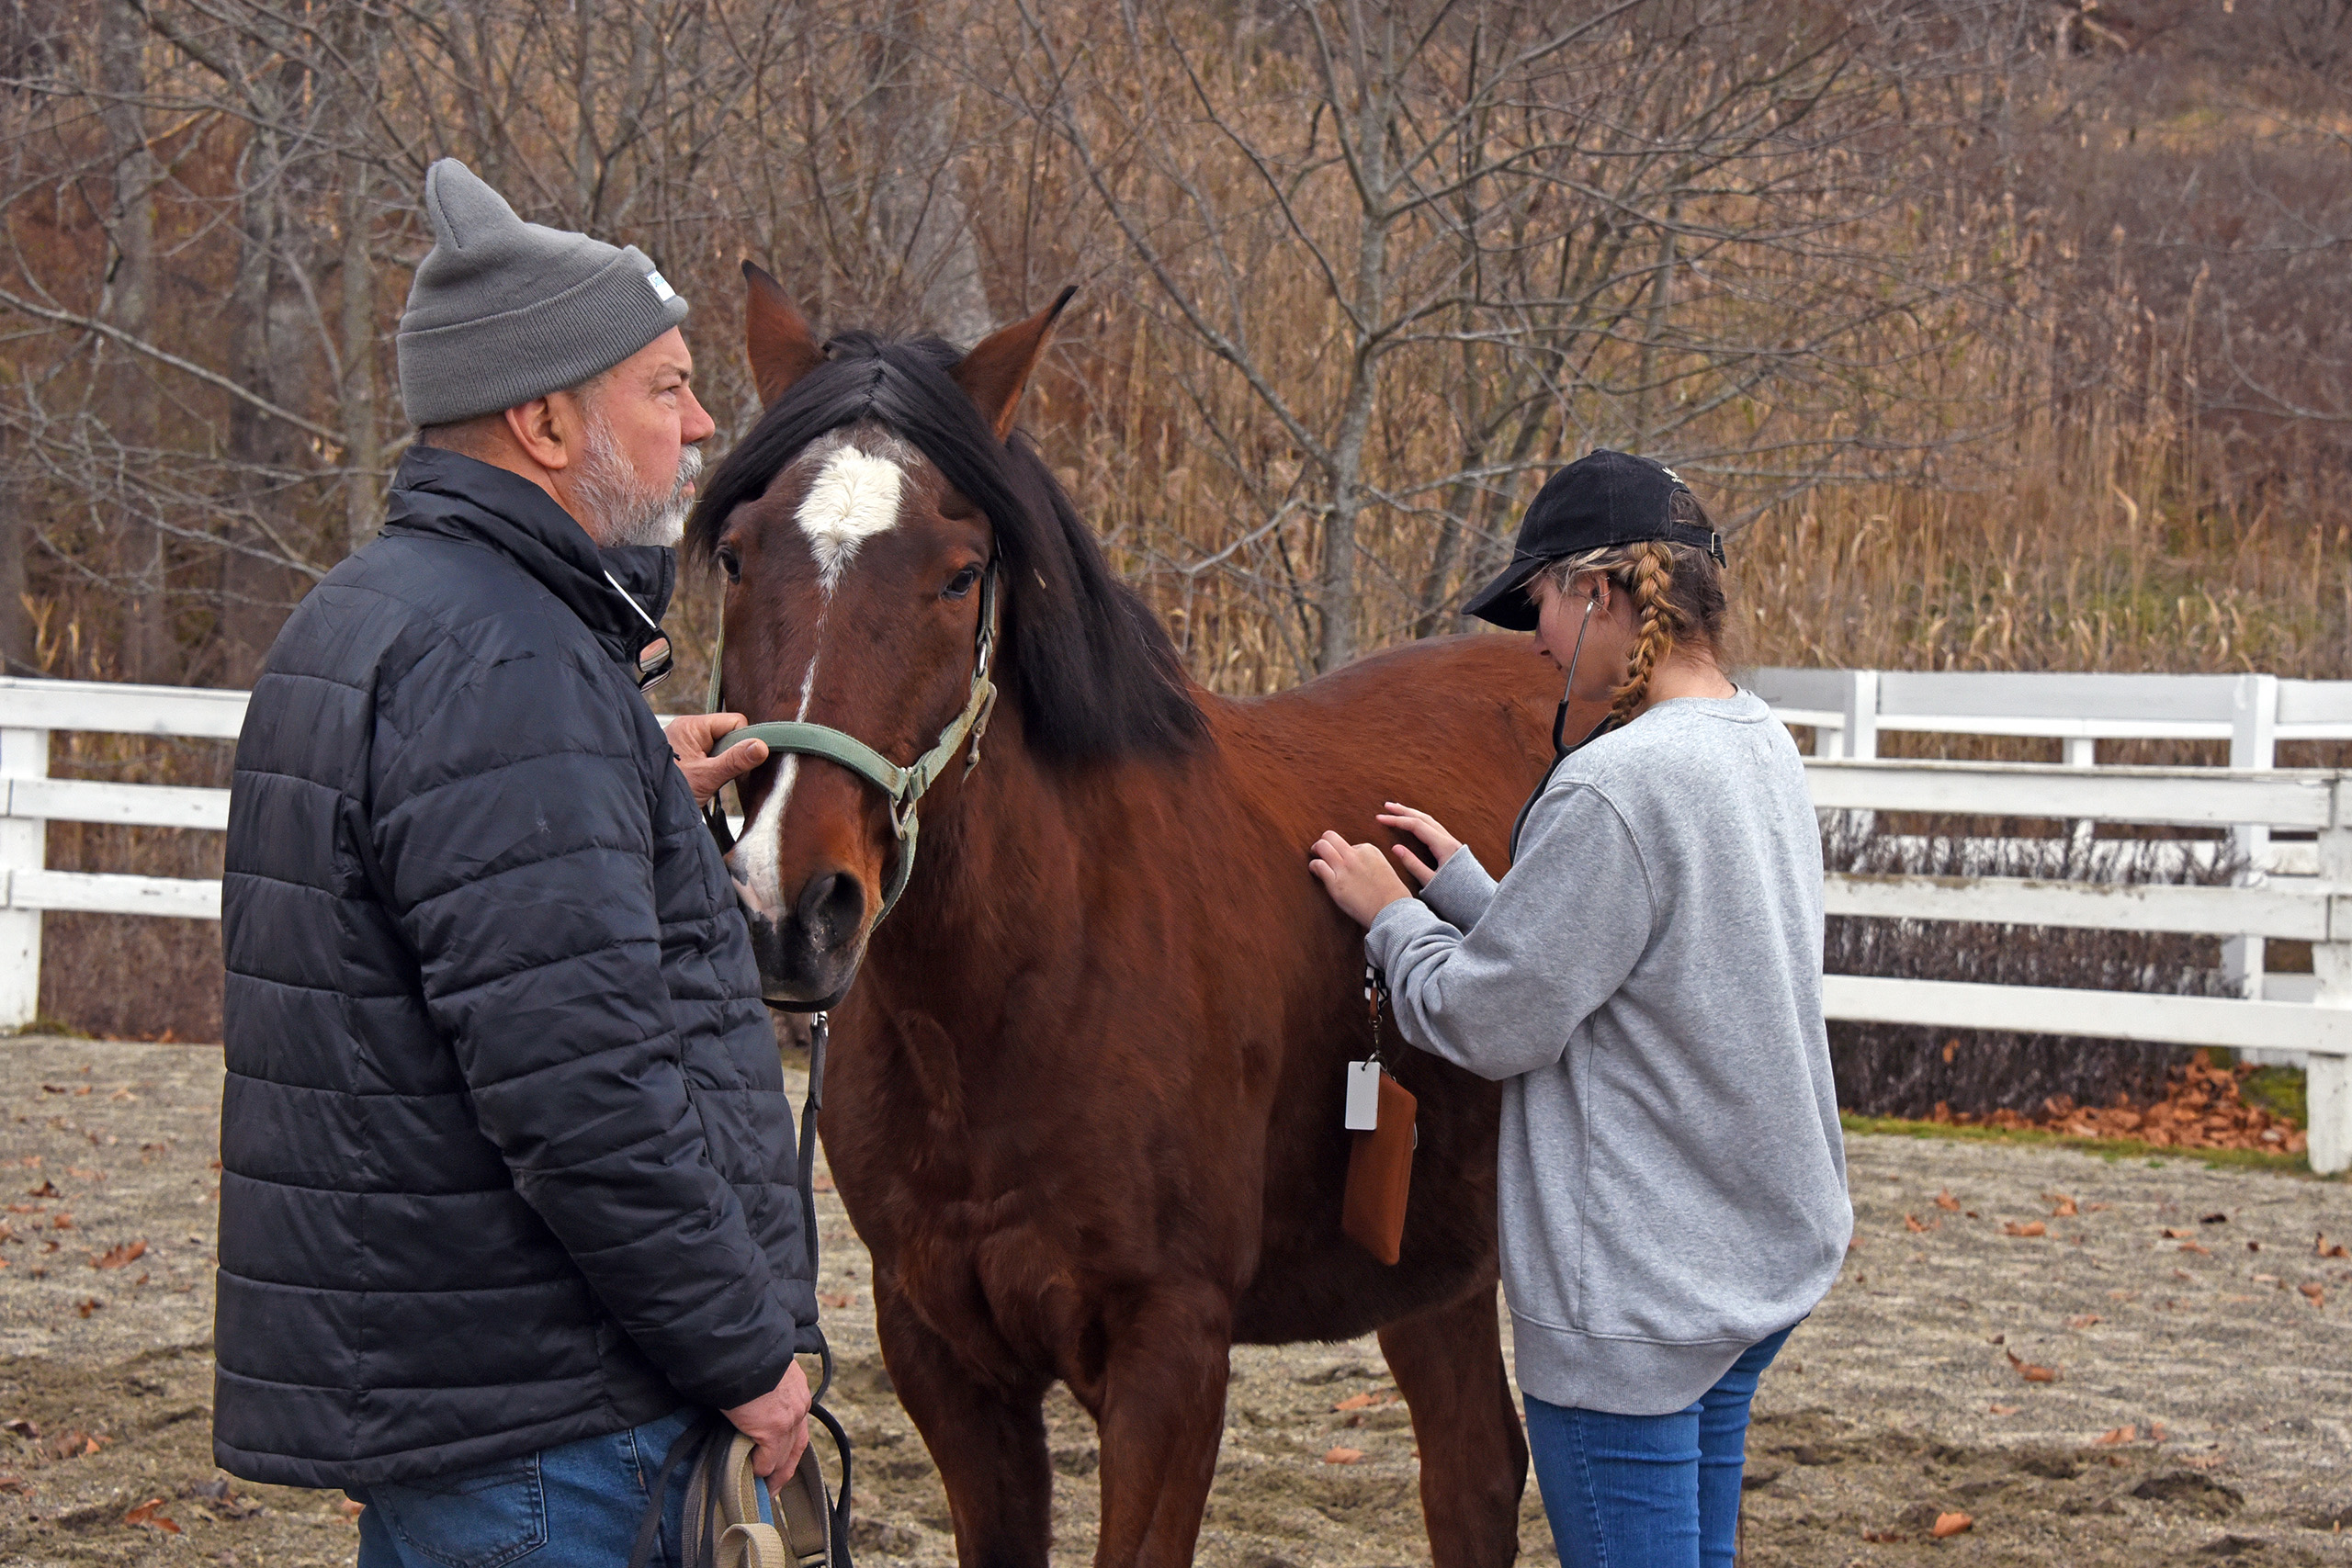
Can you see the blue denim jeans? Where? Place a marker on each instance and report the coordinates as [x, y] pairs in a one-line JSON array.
[[1648, 1491], [578, 1505]]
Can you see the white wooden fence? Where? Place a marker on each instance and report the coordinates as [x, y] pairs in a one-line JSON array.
[[2301, 891]]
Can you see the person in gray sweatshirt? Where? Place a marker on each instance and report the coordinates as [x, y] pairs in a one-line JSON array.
[[1645, 983]]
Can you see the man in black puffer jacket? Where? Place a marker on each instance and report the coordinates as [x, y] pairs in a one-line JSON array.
[[508, 1193]]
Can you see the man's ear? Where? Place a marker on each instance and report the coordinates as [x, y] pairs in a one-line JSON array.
[[996, 369], [538, 429], [775, 336]]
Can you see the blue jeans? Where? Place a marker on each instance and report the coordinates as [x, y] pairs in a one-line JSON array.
[[1648, 1491], [578, 1505]]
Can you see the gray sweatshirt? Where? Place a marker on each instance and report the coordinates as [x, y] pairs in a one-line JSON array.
[[1646, 984]]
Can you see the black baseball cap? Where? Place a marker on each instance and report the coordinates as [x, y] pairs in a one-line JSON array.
[[1604, 498]]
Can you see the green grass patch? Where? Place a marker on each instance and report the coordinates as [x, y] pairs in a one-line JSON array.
[[2108, 1148], [2279, 1091]]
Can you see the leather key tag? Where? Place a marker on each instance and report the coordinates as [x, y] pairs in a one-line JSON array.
[[1380, 1175]]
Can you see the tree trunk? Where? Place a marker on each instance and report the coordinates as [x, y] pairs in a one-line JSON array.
[[149, 652], [920, 219], [363, 447], [266, 320]]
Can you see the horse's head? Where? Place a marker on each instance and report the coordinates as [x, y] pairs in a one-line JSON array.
[[872, 519]]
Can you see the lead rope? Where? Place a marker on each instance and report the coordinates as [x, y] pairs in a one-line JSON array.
[[703, 1450]]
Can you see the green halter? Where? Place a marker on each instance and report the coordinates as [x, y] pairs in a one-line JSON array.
[[904, 787]]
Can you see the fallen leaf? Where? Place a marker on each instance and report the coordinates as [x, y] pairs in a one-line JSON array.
[[74, 1444], [1359, 1402], [147, 1514], [120, 1252], [2322, 1248], [2083, 1320], [2213, 1219], [1881, 1537], [2065, 1209], [14, 1483], [2108, 1439], [835, 1299], [1950, 1524], [2005, 1409], [2030, 1372], [78, 1174], [1947, 1203], [1855, 1245], [2094, 1208], [1343, 1456], [2034, 1227], [1952, 1049], [2254, 1246], [2155, 1431], [2172, 1234], [2316, 1294], [88, 1304], [2192, 1246], [1972, 1215], [349, 1510], [1911, 1224], [45, 1189], [22, 1428], [62, 1222]]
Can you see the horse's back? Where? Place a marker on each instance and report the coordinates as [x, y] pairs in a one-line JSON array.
[[1458, 725]]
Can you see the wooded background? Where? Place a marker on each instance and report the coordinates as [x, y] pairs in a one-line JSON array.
[[2000, 334]]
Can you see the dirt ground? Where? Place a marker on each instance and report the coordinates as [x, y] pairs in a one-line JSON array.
[[2202, 1408]]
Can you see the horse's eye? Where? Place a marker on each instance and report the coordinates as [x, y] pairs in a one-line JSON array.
[[731, 564], [961, 583]]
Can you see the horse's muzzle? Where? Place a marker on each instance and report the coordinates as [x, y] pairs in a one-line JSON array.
[[809, 956]]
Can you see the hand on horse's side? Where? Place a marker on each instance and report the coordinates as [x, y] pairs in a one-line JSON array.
[[1427, 830], [1357, 876], [691, 737], [777, 1424]]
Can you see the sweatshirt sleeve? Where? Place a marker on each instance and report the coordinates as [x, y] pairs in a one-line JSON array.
[[1558, 936], [514, 826], [1460, 890]]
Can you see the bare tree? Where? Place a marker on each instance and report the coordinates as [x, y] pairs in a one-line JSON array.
[[1624, 222]]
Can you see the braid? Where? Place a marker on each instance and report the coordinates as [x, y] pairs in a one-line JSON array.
[[1651, 567]]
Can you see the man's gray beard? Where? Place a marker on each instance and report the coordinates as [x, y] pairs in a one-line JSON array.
[[630, 513]]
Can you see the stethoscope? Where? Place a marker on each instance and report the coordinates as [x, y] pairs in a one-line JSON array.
[[1561, 751]]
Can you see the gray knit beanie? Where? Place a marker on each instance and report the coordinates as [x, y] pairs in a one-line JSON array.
[[503, 311]]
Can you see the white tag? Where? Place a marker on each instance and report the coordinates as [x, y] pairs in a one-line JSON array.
[[660, 284], [1363, 1097]]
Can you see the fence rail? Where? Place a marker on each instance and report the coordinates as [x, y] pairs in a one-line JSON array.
[[2301, 891]]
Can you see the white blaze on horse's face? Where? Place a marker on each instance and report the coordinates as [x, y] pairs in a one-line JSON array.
[[852, 498]]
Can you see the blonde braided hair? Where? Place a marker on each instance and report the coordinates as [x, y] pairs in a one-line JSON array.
[[1678, 593], [1651, 568]]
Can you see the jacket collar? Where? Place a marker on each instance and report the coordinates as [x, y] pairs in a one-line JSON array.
[[446, 494]]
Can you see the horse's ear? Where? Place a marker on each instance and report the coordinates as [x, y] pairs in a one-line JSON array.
[[781, 348], [996, 369]]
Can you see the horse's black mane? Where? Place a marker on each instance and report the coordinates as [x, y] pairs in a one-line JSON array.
[[1092, 669]]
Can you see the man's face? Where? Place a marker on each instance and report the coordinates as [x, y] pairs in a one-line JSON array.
[[639, 425]]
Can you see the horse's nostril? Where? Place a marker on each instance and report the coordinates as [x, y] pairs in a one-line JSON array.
[[831, 909]]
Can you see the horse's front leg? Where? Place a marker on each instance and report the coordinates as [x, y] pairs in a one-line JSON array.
[[987, 1438], [1161, 1410]]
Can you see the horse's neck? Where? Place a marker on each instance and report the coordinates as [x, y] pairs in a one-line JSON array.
[[1007, 866]]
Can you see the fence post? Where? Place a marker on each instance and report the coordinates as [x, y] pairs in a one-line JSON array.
[[2254, 743], [2327, 1079], [1860, 737], [2081, 751], [24, 754]]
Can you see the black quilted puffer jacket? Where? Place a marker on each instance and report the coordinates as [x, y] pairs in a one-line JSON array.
[[506, 1155]]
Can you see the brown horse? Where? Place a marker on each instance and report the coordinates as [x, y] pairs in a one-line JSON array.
[[1085, 1095]]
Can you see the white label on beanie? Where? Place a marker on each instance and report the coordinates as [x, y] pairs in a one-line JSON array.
[[661, 290]]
